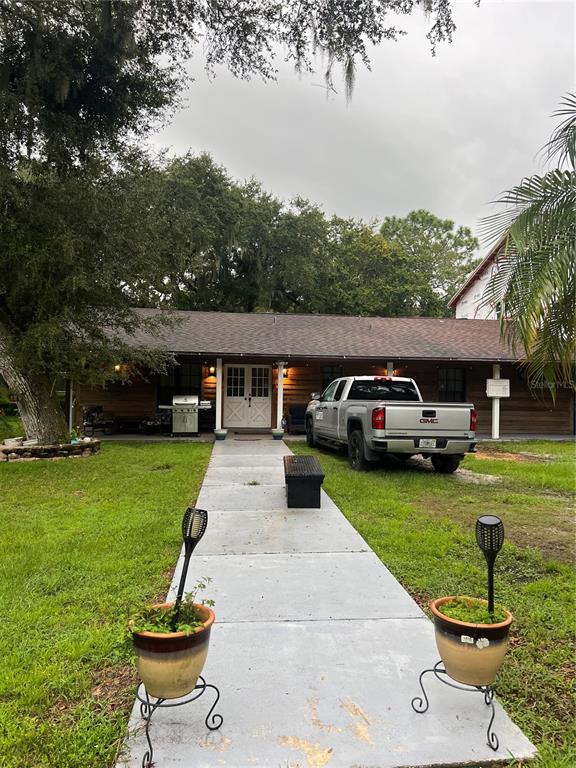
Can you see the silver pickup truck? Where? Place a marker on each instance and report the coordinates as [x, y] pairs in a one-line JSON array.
[[375, 415]]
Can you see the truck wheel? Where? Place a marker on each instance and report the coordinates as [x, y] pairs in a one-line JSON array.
[[356, 453], [445, 464], [310, 433]]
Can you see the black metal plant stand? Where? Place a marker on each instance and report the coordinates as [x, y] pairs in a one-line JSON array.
[[148, 707], [421, 705]]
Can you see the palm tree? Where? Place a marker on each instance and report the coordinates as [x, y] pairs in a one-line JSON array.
[[534, 282]]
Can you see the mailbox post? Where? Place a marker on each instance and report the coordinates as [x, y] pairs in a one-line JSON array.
[[496, 388]]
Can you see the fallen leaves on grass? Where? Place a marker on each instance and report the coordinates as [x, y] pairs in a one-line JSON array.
[[113, 686]]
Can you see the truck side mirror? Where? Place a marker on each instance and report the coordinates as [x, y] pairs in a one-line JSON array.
[[315, 396]]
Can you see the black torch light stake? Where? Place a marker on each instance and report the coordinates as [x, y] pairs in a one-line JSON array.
[[490, 537], [193, 528]]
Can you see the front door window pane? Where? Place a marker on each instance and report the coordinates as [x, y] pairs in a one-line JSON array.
[[260, 382], [235, 379]]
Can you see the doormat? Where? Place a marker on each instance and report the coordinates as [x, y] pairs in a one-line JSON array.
[[248, 438]]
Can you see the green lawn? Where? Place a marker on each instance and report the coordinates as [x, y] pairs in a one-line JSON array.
[[421, 525], [10, 426], [82, 542]]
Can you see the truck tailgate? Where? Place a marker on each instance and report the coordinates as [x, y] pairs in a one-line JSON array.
[[421, 419]]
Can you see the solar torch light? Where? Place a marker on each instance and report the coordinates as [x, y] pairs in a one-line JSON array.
[[193, 528], [490, 537]]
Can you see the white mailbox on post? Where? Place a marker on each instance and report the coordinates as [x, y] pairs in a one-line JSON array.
[[497, 387]]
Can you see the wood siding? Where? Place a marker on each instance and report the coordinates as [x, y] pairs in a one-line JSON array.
[[521, 413], [135, 399]]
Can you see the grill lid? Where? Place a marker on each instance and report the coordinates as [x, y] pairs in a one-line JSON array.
[[191, 400]]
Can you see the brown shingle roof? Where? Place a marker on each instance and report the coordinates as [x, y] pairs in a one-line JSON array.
[[328, 336]]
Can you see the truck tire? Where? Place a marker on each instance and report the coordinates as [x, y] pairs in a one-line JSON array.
[[310, 441], [356, 452], [445, 464]]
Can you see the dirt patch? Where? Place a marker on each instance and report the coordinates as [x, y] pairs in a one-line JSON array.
[[524, 526], [113, 687], [422, 601], [538, 458]]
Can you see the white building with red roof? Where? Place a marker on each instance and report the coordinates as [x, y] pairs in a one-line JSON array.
[[469, 301]]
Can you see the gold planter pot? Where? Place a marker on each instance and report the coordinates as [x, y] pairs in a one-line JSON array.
[[169, 663], [472, 653]]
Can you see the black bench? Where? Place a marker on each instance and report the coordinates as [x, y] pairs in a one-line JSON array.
[[303, 476]]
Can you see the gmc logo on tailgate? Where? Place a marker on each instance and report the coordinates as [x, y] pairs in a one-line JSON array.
[[428, 421]]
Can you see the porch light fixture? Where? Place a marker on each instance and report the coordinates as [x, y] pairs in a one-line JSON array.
[[211, 370], [490, 537], [285, 373], [118, 367]]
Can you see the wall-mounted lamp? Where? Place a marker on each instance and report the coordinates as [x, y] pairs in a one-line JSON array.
[[118, 367], [211, 370], [285, 373]]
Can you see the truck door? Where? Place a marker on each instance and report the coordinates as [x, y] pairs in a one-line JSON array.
[[323, 412], [330, 426]]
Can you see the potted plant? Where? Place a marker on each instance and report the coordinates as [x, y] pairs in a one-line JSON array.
[[472, 633], [471, 640], [171, 642], [171, 639]]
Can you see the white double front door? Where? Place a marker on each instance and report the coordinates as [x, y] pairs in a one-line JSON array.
[[247, 396]]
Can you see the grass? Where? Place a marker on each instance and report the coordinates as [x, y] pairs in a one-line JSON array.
[[421, 525], [540, 466], [10, 426], [83, 543]]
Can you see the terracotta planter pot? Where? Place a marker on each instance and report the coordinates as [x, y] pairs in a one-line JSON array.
[[472, 653], [169, 663]]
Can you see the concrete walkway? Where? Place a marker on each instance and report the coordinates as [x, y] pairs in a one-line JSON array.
[[317, 648]]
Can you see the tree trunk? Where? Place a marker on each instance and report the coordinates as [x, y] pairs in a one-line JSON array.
[[40, 412]]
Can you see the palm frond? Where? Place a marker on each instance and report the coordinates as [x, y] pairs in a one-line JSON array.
[[563, 141], [534, 280]]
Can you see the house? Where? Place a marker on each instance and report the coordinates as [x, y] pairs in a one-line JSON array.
[[254, 367], [468, 302]]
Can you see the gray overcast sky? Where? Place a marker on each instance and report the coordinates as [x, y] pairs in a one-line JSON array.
[[447, 133]]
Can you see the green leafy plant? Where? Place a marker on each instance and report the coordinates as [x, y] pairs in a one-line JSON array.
[[74, 435], [154, 618], [472, 610], [535, 279]]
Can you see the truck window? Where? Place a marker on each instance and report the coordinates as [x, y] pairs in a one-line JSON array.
[[383, 390], [340, 389], [328, 394]]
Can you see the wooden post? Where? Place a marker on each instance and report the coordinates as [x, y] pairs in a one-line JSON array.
[[280, 393], [219, 390], [71, 405], [496, 405]]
